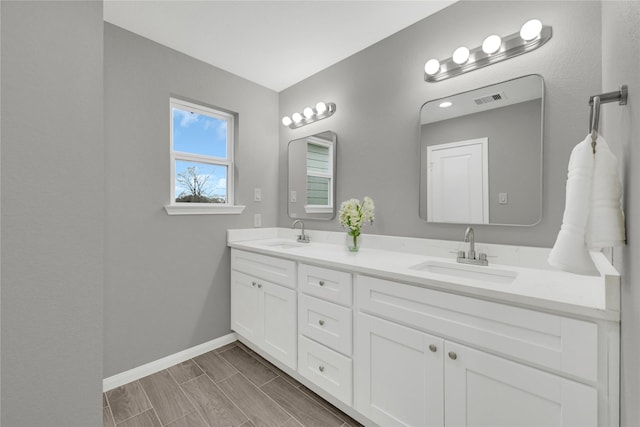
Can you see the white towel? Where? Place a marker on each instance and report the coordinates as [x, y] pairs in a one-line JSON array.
[[592, 216], [570, 252], [605, 227]]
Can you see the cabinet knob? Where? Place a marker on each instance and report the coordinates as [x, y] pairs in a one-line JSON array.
[[253, 283], [259, 285], [321, 368], [321, 322], [321, 283], [433, 348], [453, 355]]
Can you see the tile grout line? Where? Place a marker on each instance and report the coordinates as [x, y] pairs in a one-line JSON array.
[[150, 403], [229, 397], [146, 397], [195, 408], [298, 387], [253, 355], [328, 403], [109, 408], [250, 382]]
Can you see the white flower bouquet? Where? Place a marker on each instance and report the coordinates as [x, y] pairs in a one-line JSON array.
[[353, 215]]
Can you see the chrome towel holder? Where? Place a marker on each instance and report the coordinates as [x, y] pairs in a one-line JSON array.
[[595, 101]]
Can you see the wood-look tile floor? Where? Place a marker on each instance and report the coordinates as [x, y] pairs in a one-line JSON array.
[[229, 386]]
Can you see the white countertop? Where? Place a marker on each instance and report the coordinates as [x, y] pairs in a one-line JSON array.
[[536, 285]]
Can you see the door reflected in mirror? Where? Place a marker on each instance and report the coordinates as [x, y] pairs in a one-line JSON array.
[[311, 182], [481, 155]]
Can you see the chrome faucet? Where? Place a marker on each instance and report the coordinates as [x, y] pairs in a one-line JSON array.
[[470, 258], [302, 238], [470, 237]]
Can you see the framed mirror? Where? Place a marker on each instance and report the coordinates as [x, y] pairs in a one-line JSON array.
[[312, 176], [481, 155]]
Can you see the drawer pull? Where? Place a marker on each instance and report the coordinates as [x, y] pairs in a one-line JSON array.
[[433, 348], [321, 283], [453, 355], [321, 368], [259, 285], [253, 283], [321, 322]]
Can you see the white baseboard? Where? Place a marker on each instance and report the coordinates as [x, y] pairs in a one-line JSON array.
[[160, 364]]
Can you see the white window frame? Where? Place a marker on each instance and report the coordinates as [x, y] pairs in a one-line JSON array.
[[329, 175], [190, 208]]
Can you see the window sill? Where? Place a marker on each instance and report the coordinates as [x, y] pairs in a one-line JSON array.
[[318, 209], [203, 209]]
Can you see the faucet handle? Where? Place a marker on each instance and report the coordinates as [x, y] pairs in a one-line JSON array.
[[482, 256], [303, 238], [461, 254]]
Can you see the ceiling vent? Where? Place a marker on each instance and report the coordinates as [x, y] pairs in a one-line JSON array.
[[499, 96]]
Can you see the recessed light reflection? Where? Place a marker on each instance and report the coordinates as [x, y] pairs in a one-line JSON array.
[[445, 104]]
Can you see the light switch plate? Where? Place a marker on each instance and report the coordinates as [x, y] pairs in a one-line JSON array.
[[257, 220], [257, 194], [502, 198]]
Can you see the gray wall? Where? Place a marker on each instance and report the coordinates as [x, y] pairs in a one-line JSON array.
[[167, 277], [514, 157], [379, 91], [52, 213], [621, 127]]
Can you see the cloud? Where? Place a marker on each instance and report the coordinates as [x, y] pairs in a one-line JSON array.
[[187, 118], [219, 126]]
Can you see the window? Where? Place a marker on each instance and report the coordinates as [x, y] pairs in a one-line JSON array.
[[319, 176], [201, 160]]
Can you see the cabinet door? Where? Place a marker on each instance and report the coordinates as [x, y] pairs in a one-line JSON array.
[[399, 374], [486, 390], [279, 322], [245, 307]]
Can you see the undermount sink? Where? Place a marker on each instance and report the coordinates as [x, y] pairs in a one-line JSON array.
[[485, 274], [285, 245]]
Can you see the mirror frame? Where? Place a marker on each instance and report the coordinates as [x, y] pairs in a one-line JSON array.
[[334, 158], [423, 184]]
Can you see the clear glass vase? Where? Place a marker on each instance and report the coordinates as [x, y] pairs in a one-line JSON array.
[[354, 243]]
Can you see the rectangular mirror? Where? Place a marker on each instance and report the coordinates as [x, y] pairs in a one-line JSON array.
[[481, 155], [312, 176]]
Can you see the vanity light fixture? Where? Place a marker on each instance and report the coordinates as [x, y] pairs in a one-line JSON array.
[[310, 115], [532, 35]]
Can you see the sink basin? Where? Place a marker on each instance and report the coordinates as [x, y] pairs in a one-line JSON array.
[[485, 274], [286, 245]]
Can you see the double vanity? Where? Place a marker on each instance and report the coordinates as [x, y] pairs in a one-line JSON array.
[[400, 333]]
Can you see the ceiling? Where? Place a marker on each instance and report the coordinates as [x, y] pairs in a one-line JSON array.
[[273, 43]]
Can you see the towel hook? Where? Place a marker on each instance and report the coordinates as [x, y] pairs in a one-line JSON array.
[[594, 118], [620, 96]]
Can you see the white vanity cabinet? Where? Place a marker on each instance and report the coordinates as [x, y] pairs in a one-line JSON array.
[[394, 346], [407, 339], [263, 303]]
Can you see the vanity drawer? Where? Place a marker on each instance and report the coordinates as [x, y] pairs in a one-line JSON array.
[[275, 270], [556, 342], [327, 369], [324, 283], [325, 322]]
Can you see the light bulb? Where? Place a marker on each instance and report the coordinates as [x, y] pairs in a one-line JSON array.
[[308, 112], [321, 107], [446, 104], [432, 67], [286, 120], [491, 44], [460, 55], [530, 29], [297, 117]]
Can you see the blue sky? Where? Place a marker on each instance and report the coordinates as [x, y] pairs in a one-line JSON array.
[[199, 134]]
